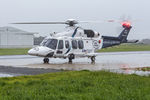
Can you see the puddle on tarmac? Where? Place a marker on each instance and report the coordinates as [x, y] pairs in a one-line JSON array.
[[7, 75], [140, 73]]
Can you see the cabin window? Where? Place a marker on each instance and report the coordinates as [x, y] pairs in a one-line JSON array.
[[67, 44], [51, 43], [60, 44], [80, 44], [74, 44]]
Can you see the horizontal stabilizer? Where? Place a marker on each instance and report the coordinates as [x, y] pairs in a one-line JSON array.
[[132, 41]]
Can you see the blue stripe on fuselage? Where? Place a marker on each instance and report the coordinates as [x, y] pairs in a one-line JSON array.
[[75, 31], [68, 50]]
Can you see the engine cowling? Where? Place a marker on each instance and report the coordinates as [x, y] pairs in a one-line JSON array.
[[91, 33]]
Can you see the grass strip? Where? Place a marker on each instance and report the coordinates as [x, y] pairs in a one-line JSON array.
[[126, 47], [120, 48], [14, 51], [76, 85]]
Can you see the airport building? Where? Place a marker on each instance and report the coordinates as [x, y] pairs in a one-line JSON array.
[[11, 37]]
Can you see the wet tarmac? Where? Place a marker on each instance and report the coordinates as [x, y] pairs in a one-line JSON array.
[[7, 71], [113, 61]]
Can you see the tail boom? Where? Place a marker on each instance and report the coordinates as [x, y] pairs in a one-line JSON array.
[[109, 41]]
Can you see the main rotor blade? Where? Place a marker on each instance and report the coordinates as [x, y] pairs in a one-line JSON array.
[[99, 21], [40, 23], [91, 21]]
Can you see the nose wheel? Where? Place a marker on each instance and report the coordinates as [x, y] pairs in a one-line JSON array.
[[46, 60]]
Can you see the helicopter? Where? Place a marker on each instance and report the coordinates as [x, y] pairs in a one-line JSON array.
[[76, 42]]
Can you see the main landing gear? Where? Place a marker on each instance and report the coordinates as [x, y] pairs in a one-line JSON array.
[[70, 57], [46, 60], [93, 59]]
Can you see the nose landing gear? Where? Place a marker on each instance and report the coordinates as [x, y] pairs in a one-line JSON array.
[[46, 60]]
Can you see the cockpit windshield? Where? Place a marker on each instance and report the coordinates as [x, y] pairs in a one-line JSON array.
[[43, 42], [51, 43]]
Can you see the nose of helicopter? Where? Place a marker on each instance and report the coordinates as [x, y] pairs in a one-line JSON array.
[[40, 51]]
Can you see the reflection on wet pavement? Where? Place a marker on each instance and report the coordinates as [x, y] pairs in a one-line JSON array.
[[6, 75], [141, 73]]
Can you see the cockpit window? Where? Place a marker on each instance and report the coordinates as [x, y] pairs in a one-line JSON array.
[[51, 43], [60, 44], [43, 42]]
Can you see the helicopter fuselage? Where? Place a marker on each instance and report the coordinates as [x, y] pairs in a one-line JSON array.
[[62, 47]]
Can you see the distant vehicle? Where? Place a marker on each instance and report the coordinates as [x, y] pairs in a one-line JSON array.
[[76, 42]]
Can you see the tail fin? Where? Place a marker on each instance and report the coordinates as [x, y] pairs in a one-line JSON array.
[[124, 34], [109, 41]]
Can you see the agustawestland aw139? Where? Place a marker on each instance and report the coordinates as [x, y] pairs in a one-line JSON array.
[[76, 42]]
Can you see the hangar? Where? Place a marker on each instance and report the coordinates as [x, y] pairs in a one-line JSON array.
[[11, 37]]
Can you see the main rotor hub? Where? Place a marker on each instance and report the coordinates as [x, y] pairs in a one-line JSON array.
[[71, 22]]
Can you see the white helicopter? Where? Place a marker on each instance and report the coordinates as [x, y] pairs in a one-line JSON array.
[[76, 42]]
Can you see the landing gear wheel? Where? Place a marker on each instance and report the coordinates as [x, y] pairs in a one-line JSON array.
[[70, 57], [46, 60], [93, 59], [70, 60]]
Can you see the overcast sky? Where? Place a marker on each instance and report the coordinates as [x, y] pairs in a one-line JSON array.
[[84, 10]]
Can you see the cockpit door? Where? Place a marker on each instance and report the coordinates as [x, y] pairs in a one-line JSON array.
[[60, 48]]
